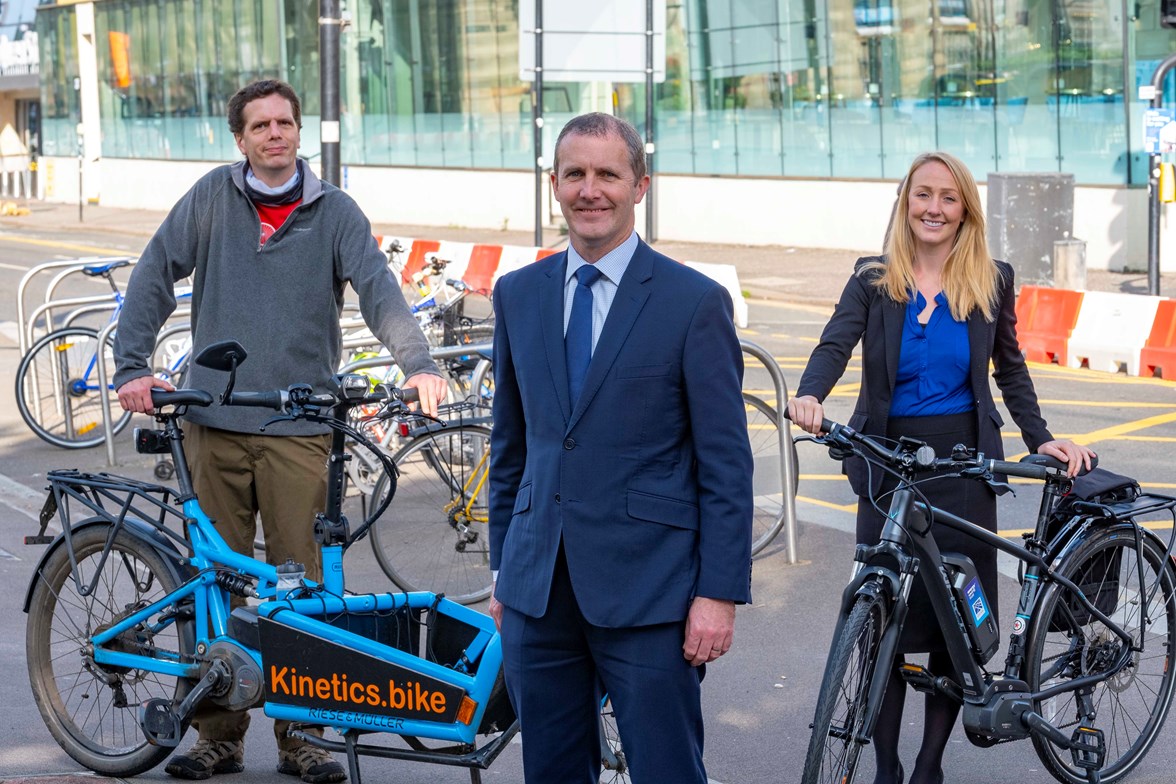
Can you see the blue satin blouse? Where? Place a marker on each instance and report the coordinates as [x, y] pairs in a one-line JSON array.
[[933, 363]]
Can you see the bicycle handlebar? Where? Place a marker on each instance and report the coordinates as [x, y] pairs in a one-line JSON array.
[[180, 397], [281, 400], [921, 456], [276, 400]]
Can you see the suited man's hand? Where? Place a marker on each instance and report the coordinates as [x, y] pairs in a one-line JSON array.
[[710, 629], [495, 610]]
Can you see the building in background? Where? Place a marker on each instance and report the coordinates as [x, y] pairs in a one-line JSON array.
[[780, 121], [20, 97]]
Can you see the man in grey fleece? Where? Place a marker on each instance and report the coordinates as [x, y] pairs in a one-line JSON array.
[[270, 249]]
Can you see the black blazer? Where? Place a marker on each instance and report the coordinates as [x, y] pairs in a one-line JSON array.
[[866, 314]]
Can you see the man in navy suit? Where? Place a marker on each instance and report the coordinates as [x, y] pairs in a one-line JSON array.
[[620, 479]]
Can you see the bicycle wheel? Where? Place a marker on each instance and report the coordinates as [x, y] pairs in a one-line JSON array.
[[433, 536], [57, 389], [1067, 642], [614, 768], [840, 717], [92, 710], [763, 429]]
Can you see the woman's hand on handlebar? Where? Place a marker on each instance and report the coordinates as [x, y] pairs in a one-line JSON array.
[[1075, 456], [432, 390], [806, 412], [135, 395]]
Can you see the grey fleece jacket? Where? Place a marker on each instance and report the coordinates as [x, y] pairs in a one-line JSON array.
[[281, 300]]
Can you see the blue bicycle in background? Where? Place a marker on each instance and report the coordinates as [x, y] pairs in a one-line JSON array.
[[138, 612], [57, 389]]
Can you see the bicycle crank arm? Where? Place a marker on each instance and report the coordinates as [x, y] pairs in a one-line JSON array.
[[164, 726], [1087, 745]]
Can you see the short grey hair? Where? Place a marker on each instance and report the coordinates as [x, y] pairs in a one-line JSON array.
[[602, 125]]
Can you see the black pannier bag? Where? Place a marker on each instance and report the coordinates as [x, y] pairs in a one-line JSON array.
[[1098, 576]]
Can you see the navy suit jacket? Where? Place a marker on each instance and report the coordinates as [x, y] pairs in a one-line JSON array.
[[866, 314], [647, 481]]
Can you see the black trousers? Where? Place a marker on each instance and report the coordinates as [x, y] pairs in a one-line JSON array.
[[967, 498]]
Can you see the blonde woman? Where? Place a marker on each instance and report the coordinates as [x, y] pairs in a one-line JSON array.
[[932, 314]]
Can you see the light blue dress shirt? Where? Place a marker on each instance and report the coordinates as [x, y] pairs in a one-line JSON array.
[[611, 266]]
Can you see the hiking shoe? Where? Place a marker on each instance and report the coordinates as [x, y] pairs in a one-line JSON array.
[[312, 764], [208, 757]]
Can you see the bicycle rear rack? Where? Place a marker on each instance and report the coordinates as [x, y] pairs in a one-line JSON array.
[[111, 499]]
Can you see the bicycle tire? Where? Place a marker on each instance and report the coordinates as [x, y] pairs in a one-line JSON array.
[[83, 714], [1068, 640], [416, 541], [614, 767], [763, 432], [51, 392], [834, 747]]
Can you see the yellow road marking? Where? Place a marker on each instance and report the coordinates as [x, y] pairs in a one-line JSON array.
[[824, 310], [1096, 376], [1103, 404], [91, 249], [1127, 427], [817, 502]]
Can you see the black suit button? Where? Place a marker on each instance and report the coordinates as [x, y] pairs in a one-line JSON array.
[[557, 498], [569, 443]]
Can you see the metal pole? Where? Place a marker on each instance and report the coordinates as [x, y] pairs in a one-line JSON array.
[[788, 467], [1153, 186], [537, 122], [329, 25], [650, 223], [81, 162]]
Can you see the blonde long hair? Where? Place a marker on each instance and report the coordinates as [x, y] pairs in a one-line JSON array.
[[970, 277]]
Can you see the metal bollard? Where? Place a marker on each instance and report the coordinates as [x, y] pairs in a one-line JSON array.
[[1069, 264]]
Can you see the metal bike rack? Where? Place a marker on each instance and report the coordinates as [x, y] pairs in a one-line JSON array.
[[104, 382], [440, 352], [78, 264], [77, 303], [788, 467]]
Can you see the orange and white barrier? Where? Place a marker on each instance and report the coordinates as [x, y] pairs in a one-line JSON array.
[[1099, 330], [481, 265]]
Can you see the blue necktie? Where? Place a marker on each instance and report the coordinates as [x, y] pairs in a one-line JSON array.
[[578, 339]]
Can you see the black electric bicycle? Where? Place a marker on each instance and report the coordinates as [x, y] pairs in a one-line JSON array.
[[1088, 671]]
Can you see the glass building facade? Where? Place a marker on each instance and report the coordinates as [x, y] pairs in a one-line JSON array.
[[755, 88]]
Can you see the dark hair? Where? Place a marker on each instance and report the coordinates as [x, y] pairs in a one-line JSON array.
[[262, 88], [601, 125]]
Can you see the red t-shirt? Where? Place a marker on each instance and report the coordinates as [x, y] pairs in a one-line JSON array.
[[273, 216]]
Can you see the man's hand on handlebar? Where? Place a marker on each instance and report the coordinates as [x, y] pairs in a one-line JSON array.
[[432, 390], [1076, 456], [806, 412], [135, 395]]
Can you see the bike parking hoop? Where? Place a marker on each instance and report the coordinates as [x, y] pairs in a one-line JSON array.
[[104, 381], [788, 466], [67, 267]]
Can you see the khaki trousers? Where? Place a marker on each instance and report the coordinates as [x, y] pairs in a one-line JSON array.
[[239, 476]]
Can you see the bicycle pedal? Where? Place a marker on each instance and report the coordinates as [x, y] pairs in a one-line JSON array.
[[918, 677], [160, 724], [1088, 748]]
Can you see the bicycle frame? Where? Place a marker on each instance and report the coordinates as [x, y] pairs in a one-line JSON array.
[[907, 539], [468, 681]]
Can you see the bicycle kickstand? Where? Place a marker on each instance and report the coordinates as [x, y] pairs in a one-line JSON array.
[[350, 738]]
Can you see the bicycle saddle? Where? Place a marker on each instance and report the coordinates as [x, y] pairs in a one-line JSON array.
[[94, 270]]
